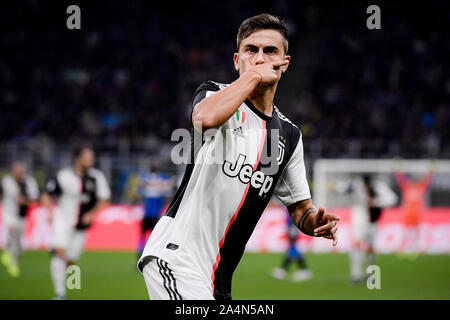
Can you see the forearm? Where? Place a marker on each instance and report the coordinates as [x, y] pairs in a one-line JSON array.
[[98, 206], [215, 110]]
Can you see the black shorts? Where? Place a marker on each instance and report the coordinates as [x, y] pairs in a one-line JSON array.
[[149, 223], [375, 213]]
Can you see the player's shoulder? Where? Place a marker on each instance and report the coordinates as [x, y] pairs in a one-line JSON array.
[[65, 172], [95, 173], [285, 120], [290, 128], [210, 85], [30, 179], [7, 178]]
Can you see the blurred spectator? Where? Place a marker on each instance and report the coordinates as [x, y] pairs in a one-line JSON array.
[[132, 69]]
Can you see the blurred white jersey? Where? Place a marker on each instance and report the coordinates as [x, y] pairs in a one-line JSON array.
[[361, 220], [224, 191], [77, 195], [12, 211]]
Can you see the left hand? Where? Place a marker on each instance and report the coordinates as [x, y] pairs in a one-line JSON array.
[[22, 200], [87, 218], [325, 225]]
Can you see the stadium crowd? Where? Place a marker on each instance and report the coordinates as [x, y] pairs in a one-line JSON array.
[[130, 73]]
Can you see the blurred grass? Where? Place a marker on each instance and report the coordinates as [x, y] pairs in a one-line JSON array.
[[113, 275]]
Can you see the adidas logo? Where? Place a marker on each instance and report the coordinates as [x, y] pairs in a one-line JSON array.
[[238, 131]]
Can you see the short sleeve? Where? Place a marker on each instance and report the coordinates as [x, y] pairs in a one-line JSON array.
[[293, 185], [32, 188], [103, 191], [203, 91]]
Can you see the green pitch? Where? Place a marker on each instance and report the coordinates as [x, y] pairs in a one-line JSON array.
[[113, 275]]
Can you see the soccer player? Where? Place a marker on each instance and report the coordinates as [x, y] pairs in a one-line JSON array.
[[82, 191], [413, 203], [368, 196], [293, 254], [153, 189], [19, 191], [249, 151]]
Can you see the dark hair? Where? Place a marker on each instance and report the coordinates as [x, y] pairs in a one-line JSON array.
[[367, 178], [260, 22], [78, 150]]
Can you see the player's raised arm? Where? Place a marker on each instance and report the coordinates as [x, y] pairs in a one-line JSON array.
[[215, 110], [312, 221]]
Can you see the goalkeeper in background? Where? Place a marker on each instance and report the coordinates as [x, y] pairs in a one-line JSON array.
[[412, 205]]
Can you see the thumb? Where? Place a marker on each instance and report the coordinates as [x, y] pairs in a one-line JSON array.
[[319, 216]]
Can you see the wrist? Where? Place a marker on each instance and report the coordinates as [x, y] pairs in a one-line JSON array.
[[306, 222], [255, 75]]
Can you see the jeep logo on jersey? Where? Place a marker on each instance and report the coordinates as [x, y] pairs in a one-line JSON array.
[[245, 173]]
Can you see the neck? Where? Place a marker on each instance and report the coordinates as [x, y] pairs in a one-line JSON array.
[[262, 98], [79, 170]]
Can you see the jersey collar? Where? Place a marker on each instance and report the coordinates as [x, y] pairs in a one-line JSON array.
[[259, 113]]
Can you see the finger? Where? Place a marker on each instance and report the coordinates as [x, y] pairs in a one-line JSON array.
[[331, 237], [334, 240], [325, 227], [319, 216], [326, 232], [281, 63], [246, 61], [331, 216]]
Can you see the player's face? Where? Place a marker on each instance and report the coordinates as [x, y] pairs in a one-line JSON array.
[[87, 158], [262, 46], [18, 170]]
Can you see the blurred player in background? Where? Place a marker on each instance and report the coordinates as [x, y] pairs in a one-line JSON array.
[[81, 191], [368, 196], [379, 196], [413, 204], [292, 255], [19, 190], [153, 189]]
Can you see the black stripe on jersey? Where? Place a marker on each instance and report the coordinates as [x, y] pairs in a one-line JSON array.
[[23, 208], [89, 193], [164, 263], [199, 95], [251, 210], [163, 275]]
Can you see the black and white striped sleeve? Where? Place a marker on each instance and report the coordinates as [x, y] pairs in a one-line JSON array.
[[293, 185], [203, 91]]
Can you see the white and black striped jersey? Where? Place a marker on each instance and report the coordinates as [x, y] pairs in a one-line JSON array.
[[226, 188], [77, 194], [11, 189]]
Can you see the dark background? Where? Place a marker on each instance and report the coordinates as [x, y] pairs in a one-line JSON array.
[[125, 81]]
